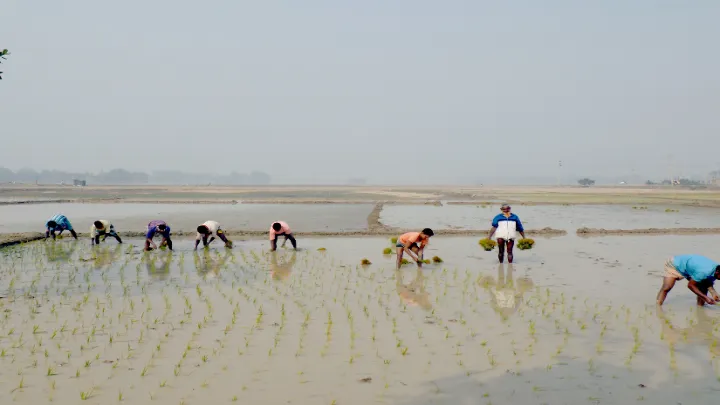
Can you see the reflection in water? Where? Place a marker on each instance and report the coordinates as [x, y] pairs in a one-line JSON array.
[[208, 266], [506, 294], [105, 256], [414, 292], [158, 269], [57, 251], [699, 331], [281, 271]]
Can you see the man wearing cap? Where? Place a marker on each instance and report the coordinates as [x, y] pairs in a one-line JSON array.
[[505, 226]]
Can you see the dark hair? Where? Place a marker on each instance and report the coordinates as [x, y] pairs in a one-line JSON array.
[[98, 225], [162, 227], [277, 226], [52, 224], [428, 232], [203, 229], [717, 269]]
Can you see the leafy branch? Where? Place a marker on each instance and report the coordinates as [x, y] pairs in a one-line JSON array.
[[2, 56]]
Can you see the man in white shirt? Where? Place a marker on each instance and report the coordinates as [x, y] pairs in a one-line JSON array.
[[206, 230]]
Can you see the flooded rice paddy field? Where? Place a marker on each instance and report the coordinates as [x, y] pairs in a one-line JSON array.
[[135, 217], [567, 217], [573, 321]]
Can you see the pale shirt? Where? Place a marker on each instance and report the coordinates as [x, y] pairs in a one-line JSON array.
[[285, 229], [213, 226], [106, 227]]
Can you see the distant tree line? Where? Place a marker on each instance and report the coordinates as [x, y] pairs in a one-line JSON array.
[[677, 182], [124, 177]]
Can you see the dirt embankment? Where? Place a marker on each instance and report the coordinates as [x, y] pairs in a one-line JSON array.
[[648, 231], [10, 239], [216, 201], [16, 238]]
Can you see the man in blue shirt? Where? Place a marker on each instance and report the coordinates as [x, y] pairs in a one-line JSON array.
[[58, 223], [155, 227], [700, 272]]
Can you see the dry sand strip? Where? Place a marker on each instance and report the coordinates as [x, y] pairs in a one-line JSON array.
[[15, 238], [283, 201], [647, 231]]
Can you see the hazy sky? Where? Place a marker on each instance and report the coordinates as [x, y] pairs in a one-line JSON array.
[[387, 90]]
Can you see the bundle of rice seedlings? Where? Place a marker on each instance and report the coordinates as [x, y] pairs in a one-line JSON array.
[[365, 262], [437, 259], [393, 240], [525, 243], [322, 249], [487, 244]]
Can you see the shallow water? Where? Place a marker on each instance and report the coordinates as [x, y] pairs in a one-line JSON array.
[[308, 217], [569, 218], [572, 321]]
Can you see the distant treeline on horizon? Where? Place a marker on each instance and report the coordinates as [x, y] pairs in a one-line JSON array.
[[124, 177]]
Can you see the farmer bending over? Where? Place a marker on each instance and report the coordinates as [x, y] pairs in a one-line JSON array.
[[700, 273], [104, 228], [58, 223], [278, 229], [505, 227], [163, 229], [413, 243], [206, 231]]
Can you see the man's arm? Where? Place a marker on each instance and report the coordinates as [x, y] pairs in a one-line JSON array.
[[149, 238], [492, 232], [520, 227], [693, 286], [713, 293]]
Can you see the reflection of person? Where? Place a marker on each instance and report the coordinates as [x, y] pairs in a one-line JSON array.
[[163, 229], [281, 271], [58, 252], [413, 243], [206, 231], [209, 266], [507, 295], [414, 292], [104, 257], [702, 330], [104, 228], [700, 272], [160, 271], [58, 223], [280, 228], [505, 227]]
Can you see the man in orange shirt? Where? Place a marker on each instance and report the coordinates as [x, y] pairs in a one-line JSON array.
[[414, 244]]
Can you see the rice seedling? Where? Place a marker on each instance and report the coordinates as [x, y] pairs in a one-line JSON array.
[[525, 243], [387, 251], [437, 259], [321, 249], [393, 241], [365, 262], [487, 244]]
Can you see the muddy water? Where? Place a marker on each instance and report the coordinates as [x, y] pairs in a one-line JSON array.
[[568, 218], [310, 217], [572, 321]]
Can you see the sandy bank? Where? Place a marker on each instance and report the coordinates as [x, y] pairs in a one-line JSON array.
[[648, 231], [15, 238]]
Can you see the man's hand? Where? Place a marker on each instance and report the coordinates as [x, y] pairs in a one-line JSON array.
[[710, 301]]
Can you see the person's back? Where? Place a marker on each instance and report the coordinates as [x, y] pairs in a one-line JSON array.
[[697, 267]]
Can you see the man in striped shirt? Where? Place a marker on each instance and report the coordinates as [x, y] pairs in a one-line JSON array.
[[58, 223], [102, 227], [206, 230], [163, 229]]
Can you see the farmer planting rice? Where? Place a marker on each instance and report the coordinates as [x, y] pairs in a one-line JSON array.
[[104, 228], [700, 273], [278, 229], [413, 243], [163, 229], [505, 226], [58, 223], [206, 230]]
